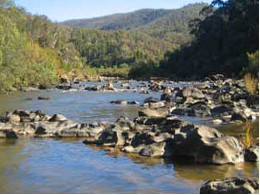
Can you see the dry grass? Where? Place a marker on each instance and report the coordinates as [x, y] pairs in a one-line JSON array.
[[251, 83], [248, 138]]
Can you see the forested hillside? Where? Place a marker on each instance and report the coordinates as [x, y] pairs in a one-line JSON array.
[[34, 51], [169, 25], [223, 42], [125, 21]]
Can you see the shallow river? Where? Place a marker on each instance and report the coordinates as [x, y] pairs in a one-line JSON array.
[[32, 165]]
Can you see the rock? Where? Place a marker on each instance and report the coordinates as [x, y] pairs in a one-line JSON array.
[[43, 87], [252, 154], [13, 118], [125, 124], [64, 87], [151, 99], [8, 134], [134, 103], [221, 150], [64, 79], [192, 92], [58, 118], [166, 97], [43, 98], [154, 105], [217, 121], [217, 77], [207, 145], [147, 112], [221, 110], [232, 185], [120, 102], [109, 86], [95, 88], [239, 117]]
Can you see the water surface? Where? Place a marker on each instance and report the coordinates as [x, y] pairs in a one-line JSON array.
[[30, 165]]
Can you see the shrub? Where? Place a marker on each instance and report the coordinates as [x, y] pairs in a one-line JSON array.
[[251, 83]]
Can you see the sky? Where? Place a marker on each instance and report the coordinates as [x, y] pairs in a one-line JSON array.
[[61, 10]]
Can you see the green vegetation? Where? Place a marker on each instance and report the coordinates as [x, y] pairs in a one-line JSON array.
[[223, 39], [221, 42], [171, 26]]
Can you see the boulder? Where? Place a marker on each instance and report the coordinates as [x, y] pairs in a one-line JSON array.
[[207, 145], [192, 92], [232, 185]]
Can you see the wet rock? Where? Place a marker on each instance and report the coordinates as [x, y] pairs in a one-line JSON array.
[[252, 154], [233, 185]]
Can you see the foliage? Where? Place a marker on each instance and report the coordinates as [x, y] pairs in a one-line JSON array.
[[170, 26], [251, 83], [222, 40]]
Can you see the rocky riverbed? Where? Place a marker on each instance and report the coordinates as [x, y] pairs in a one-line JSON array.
[[158, 130]]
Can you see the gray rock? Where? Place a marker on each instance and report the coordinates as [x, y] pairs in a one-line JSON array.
[[233, 185], [192, 92]]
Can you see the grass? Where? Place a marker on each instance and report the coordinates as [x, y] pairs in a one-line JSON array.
[[251, 83], [248, 137]]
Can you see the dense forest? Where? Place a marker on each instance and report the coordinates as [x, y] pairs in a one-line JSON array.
[[167, 25], [193, 41], [225, 41]]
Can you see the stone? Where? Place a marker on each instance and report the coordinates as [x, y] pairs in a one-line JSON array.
[[43, 98], [8, 134], [192, 92], [151, 99], [232, 185], [57, 118], [252, 154], [239, 117], [147, 112]]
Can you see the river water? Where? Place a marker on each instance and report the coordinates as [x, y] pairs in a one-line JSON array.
[[30, 165]]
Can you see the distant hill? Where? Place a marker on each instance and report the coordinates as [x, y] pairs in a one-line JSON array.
[[170, 25], [125, 21]]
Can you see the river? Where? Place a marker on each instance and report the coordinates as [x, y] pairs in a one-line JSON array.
[[30, 165]]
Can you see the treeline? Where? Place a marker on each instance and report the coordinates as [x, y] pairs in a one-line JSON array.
[[226, 41], [34, 51]]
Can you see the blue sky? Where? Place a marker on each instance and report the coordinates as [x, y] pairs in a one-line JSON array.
[[60, 10]]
